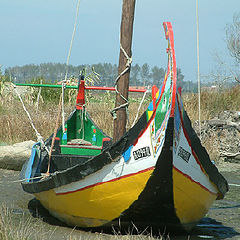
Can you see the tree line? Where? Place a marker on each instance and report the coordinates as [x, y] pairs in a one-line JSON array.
[[139, 76]]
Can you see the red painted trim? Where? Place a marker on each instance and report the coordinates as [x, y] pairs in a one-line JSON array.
[[158, 102], [112, 180], [81, 95], [154, 92], [198, 183], [169, 36], [153, 114], [187, 137], [113, 89]]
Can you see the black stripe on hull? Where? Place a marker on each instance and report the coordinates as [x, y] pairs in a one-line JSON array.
[[154, 208], [85, 168], [204, 158]]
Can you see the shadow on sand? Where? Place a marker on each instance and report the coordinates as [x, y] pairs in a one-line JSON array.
[[207, 228]]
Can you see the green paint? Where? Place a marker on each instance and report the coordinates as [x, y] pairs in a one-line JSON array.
[[80, 151], [44, 85], [80, 126], [162, 109]]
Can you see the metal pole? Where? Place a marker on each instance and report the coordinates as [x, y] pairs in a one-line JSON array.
[[198, 66]]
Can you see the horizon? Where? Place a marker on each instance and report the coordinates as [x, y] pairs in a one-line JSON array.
[[36, 32]]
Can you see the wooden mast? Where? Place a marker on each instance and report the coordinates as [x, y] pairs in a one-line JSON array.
[[126, 33]]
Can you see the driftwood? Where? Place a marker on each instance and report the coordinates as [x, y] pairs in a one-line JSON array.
[[223, 123], [224, 134], [228, 154]]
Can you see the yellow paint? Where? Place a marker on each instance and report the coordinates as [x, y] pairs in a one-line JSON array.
[[191, 201], [149, 114], [93, 206]]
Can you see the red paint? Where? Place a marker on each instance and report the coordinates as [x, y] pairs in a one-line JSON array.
[[169, 36], [106, 139], [112, 180], [154, 93], [113, 89], [81, 95], [198, 183]]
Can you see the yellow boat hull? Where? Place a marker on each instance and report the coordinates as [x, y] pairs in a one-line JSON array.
[[96, 205], [100, 204]]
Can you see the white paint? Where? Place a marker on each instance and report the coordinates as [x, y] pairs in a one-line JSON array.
[[191, 168]]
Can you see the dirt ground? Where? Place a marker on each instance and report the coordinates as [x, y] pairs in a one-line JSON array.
[[221, 222]]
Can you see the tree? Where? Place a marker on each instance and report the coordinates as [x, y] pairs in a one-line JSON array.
[[226, 72], [134, 75], [233, 43], [180, 78], [145, 74], [233, 37], [157, 75]]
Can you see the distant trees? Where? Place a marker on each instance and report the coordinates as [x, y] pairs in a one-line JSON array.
[[135, 75], [140, 75], [145, 74], [157, 75]]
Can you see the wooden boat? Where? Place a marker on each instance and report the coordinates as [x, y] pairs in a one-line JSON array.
[[157, 175]]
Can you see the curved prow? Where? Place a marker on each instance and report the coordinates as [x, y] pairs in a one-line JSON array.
[[172, 60]]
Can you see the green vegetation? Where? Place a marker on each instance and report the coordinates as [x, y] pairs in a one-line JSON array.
[[55, 72]]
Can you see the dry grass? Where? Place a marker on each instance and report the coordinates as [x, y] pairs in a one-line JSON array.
[[20, 226], [12, 228], [15, 126], [212, 103]]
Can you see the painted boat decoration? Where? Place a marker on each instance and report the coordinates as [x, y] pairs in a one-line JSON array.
[[156, 175]]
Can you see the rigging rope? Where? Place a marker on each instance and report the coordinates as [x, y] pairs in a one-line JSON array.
[[38, 135], [198, 65], [139, 107], [61, 100], [54, 135], [67, 63]]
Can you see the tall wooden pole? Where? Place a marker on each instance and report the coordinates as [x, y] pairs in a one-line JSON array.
[[126, 33]]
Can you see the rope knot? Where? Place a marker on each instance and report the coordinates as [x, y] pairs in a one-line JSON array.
[[129, 59], [129, 62]]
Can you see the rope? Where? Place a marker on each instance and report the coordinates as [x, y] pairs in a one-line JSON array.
[[82, 122], [124, 105], [61, 100], [38, 96], [26, 179], [234, 184], [198, 65], [139, 107], [67, 63], [38, 135], [54, 135]]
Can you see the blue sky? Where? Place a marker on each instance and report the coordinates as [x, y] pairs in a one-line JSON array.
[[34, 32]]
